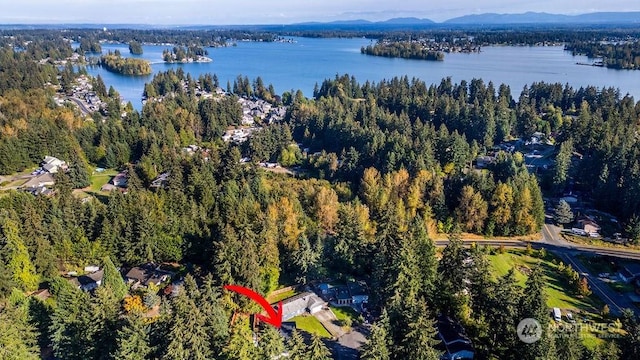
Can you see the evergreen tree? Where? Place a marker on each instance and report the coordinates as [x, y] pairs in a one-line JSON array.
[[240, 346], [296, 347], [14, 253], [420, 337], [271, 343], [378, 346], [17, 335], [503, 317], [113, 279], [562, 213], [318, 350], [133, 341], [452, 274], [534, 305], [216, 319], [630, 342], [187, 332], [78, 172]]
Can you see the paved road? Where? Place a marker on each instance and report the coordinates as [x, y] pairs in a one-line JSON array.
[[616, 302], [80, 104]]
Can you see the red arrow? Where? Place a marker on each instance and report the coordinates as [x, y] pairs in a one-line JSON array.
[[273, 317]]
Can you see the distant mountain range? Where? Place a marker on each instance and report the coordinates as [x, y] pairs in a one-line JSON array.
[[491, 19], [546, 18], [496, 19], [394, 21]]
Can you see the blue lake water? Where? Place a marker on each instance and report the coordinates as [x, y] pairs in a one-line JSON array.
[[301, 64]]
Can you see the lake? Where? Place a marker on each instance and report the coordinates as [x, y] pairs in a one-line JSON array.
[[301, 64]]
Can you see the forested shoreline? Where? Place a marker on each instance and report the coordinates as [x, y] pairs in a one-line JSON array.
[[612, 54]]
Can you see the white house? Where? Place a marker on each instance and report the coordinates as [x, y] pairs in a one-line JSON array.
[[52, 164]]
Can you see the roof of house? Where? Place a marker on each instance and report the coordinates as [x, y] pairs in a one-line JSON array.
[[83, 280], [450, 331], [147, 273], [40, 180], [356, 289], [300, 303], [50, 167], [342, 292], [626, 273]]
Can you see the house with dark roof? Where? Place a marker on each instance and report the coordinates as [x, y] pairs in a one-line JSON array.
[[354, 293], [454, 342], [161, 181], [121, 179], [88, 282], [146, 274]]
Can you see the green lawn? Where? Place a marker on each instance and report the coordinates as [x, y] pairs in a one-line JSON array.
[[282, 296], [100, 179], [343, 313], [559, 294], [558, 291], [311, 325]]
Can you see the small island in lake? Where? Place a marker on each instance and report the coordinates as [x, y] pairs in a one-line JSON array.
[[189, 54], [135, 48], [403, 49], [114, 62]]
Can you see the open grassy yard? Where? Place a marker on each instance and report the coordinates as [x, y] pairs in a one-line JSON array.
[[558, 290], [311, 325], [100, 179], [344, 313], [272, 299]]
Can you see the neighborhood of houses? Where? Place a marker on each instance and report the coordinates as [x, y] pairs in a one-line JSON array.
[[138, 277], [42, 179], [318, 299]]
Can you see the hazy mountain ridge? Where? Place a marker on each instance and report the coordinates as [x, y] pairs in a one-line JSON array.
[[547, 18]]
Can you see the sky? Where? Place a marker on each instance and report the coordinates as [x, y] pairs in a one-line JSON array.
[[235, 12]]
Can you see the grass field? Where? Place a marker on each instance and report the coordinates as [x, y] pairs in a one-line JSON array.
[[558, 290], [311, 325], [99, 179], [344, 313], [272, 299]]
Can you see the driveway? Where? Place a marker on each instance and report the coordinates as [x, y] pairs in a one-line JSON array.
[[329, 321], [348, 345]]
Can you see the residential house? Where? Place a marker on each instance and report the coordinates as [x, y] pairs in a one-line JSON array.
[[121, 179], [629, 272], [300, 304], [88, 282], [161, 181], [146, 274], [358, 292], [51, 164], [354, 293], [39, 181], [455, 344], [589, 225]]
